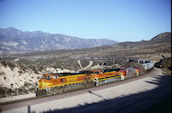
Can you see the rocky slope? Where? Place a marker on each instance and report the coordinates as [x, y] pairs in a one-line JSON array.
[[16, 81], [13, 40]]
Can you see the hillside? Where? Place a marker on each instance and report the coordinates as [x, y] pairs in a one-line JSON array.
[[149, 50], [13, 41], [160, 44], [20, 72]]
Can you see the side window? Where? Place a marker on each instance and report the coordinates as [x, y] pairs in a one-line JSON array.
[[96, 72], [49, 77], [55, 77]]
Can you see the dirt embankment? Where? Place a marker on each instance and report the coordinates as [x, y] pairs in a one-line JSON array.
[[17, 81]]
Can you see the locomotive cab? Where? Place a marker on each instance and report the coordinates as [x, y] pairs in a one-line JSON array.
[[45, 81], [47, 77]]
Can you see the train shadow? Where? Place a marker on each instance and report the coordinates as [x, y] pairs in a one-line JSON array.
[[150, 101]]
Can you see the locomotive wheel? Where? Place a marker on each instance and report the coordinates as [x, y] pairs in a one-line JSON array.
[[40, 92]]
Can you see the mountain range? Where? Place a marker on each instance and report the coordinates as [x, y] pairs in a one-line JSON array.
[[13, 40], [150, 49]]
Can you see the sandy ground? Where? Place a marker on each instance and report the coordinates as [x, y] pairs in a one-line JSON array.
[[91, 97]]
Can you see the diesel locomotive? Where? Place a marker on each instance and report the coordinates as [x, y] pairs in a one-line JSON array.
[[54, 83]]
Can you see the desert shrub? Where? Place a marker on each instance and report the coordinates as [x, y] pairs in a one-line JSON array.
[[22, 90], [23, 68], [11, 65], [32, 89], [40, 68], [4, 92], [166, 65], [4, 63], [2, 73], [34, 68], [26, 84], [20, 72]]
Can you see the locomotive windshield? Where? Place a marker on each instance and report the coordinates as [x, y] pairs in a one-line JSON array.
[[47, 77]]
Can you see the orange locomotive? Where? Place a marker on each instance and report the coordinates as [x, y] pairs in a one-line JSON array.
[[107, 76], [49, 83], [54, 83], [62, 79], [129, 72]]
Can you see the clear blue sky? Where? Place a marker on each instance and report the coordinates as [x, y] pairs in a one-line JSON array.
[[119, 20]]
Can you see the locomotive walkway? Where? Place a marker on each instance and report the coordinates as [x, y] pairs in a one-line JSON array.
[[129, 96]]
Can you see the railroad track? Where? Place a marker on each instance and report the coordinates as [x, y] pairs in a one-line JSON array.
[[38, 100]]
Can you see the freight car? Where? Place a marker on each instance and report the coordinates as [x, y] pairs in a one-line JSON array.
[[147, 65], [54, 83]]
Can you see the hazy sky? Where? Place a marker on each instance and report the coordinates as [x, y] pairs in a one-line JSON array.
[[119, 20]]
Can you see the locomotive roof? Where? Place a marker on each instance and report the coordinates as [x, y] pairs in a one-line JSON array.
[[81, 72], [108, 70], [66, 74]]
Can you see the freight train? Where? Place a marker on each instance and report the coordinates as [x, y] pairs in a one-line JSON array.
[[54, 83]]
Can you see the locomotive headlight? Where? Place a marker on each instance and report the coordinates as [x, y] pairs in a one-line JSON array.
[[42, 84]]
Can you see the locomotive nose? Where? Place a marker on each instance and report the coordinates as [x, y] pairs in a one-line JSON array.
[[41, 80], [41, 83]]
